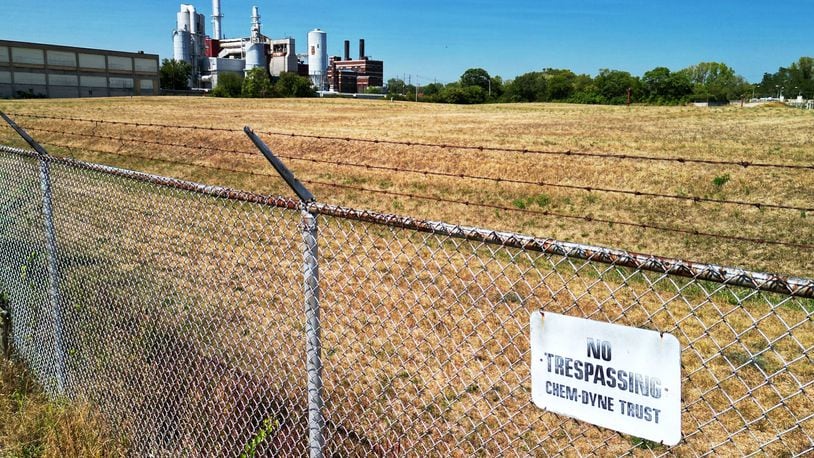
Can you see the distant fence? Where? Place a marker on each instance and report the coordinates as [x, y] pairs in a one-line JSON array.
[[205, 321]]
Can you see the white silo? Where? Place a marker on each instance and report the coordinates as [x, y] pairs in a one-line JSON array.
[[184, 22], [188, 39], [255, 55], [182, 46], [256, 48], [318, 57], [182, 37]]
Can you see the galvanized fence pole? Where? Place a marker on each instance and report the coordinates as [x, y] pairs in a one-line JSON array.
[[316, 421], [54, 291]]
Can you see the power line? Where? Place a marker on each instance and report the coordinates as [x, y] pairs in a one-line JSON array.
[[566, 153], [547, 213], [696, 199]]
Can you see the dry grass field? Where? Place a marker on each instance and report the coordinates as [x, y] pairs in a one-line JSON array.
[[430, 329], [769, 134]]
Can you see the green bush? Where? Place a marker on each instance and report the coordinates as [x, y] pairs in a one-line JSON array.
[[229, 85], [257, 84], [293, 85]]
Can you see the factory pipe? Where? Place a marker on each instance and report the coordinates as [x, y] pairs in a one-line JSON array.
[[362, 49], [347, 50], [216, 20]]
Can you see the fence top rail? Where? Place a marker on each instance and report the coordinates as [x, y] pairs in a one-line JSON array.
[[793, 286], [800, 287]]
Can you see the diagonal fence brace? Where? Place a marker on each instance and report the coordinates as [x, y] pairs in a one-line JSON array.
[[313, 342], [301, 191]]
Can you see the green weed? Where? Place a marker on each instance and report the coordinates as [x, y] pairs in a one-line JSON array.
[[720, 180], [645, 444], [266, 429]]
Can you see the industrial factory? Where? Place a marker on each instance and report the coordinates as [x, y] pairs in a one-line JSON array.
[[211, 56]]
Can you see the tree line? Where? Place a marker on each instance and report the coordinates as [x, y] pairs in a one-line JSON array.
[[257, 82], [713, 82]]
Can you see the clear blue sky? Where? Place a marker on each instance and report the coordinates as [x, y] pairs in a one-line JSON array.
[[440, 39]]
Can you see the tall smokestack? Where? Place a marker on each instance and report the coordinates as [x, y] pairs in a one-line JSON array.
[[347, 49], [362, 49], [216, 18]]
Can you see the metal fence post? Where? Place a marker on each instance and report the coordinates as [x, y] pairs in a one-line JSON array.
[[54, 292], [316, 421]]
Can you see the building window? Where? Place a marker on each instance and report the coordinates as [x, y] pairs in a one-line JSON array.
[[94, 61], [28, 56], [62, 58], [120, 63], [29, 78], [63, 80], [93, 81], [121, 83]]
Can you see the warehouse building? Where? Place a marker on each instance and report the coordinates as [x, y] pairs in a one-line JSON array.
[[43, 70]]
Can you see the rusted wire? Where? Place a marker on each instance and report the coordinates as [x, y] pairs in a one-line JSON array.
[[548, 213], [462, 202], [794, 286], [567, 153], [539, 183]]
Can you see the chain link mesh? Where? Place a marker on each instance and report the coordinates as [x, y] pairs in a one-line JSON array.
[[184, 321]]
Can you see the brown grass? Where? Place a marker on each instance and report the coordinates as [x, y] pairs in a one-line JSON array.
[[425, 338], [768, 135], [32, 425]]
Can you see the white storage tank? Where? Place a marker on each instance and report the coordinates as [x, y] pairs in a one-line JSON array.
[[182, 46], [318, 57], [184, 23], [255, 55], [256, 48]]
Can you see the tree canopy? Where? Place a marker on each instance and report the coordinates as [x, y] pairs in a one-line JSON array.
[[293, 85], [257, 83], [715, 81], [174, 74], [661, 86], [705, 81], [476, 77], [796, 79], [229, 85]]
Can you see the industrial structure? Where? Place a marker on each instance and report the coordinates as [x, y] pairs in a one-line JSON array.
[[44, 70], [355, 76], [210, 56], [318, 58]]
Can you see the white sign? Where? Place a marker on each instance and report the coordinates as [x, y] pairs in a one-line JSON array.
[[621, 378]]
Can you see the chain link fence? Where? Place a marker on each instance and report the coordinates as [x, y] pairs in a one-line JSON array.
[[204, 321]]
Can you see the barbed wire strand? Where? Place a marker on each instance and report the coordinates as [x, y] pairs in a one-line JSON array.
[[539, 183], [561, 215], [546, 213], [567, 153]]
